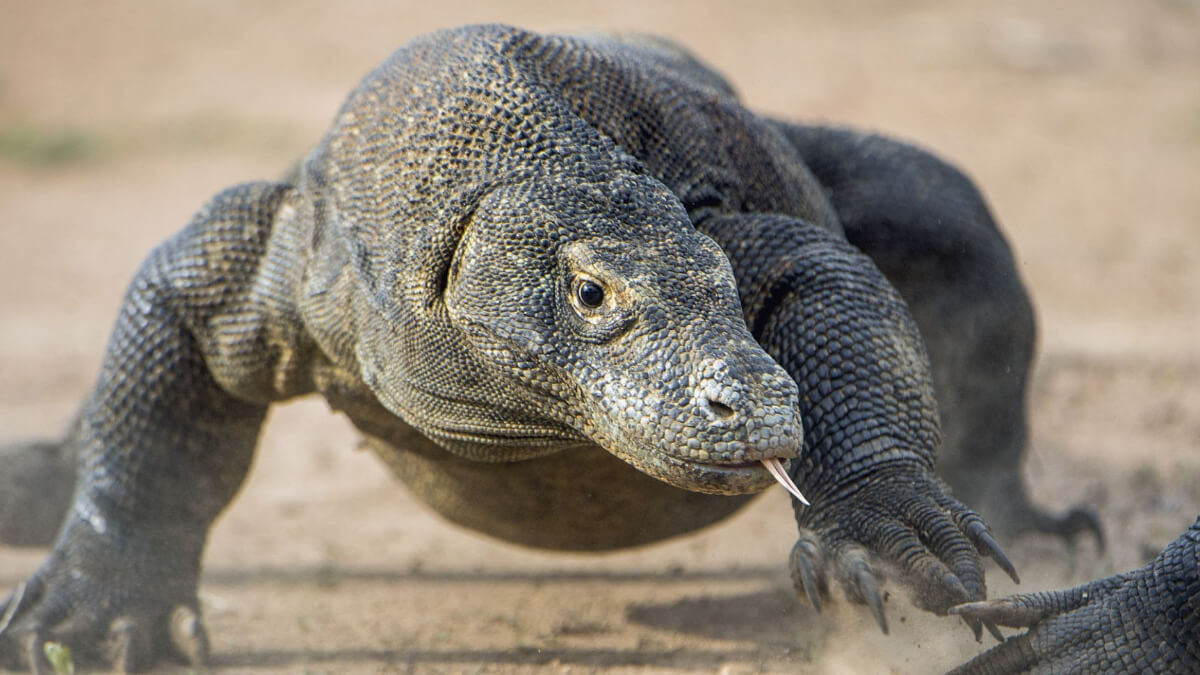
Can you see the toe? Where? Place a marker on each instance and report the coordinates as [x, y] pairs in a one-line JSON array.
[[188, 635], [129, 645], [861, 585], [807, 563]]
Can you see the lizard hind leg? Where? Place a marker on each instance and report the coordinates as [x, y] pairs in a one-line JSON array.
[[1012, 513]]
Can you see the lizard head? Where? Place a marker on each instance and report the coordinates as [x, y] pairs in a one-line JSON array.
[[598, 305]]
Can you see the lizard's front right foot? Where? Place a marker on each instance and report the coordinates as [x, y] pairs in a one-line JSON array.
[[122, 608], [909, 522]]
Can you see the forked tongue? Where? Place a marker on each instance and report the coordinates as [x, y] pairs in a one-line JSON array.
[[776, 468]]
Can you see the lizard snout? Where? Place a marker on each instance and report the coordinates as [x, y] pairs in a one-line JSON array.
[[720, 410], [746, 412], [719, 397]]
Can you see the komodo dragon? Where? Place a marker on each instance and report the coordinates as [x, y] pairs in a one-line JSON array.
[[553, 282]]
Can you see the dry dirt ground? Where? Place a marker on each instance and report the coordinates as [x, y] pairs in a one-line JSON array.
[[1080, 119]]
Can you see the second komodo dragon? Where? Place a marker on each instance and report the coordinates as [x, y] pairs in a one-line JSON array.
[[572, 292]]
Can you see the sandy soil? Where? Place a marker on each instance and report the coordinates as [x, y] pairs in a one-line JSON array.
[[1080, 118]]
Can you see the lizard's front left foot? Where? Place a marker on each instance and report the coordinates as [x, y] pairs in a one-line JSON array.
[[1147, 620], [908, 522], [124, 608]]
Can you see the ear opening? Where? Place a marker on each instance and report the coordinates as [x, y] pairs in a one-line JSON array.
[[448, 276], [449, 263]]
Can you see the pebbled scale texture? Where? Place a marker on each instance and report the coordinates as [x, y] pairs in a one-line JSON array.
[[420, 270]]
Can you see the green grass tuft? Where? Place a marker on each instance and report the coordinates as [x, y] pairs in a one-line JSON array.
[[59, 656], [30, 145]]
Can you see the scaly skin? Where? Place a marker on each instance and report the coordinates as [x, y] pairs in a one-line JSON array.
[[826, 312], [500, 265], [931, 233], [1143, 621]]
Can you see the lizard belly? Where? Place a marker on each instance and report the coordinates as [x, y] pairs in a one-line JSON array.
[[579, 499]]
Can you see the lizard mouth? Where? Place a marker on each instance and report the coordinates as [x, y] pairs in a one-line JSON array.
[[774, 466], [741, 477], [735, 465]]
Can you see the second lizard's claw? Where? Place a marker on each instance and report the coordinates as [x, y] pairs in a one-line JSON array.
[[1004, 611]]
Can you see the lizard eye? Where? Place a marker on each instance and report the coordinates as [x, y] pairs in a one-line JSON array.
[[590, 294], [601, 307], [587, 294]]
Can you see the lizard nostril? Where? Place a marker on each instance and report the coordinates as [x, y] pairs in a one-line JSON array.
[[721, 410]]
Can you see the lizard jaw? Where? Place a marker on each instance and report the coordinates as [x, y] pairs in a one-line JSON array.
[[775, 466], [731, 478]]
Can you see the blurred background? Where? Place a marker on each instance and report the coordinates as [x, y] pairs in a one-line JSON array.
[[1079, 119]]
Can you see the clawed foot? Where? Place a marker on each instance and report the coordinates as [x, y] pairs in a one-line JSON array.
[[130, 643], [1068, 526], [1140, 621], [106, 608], [910, 523], [1070, 627]]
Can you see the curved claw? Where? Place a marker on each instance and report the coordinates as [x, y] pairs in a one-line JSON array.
[[981, 535], [869, 589], [1002, 611], [129, 648], [34, 648], [862, 585], [1066, 526], [933, 542], [976, 627], [188, 635], [1083, 519], [808, 570], [11, 606]]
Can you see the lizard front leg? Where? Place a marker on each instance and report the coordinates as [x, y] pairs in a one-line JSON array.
[[830, 318], [928, 228], [165, 440]]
